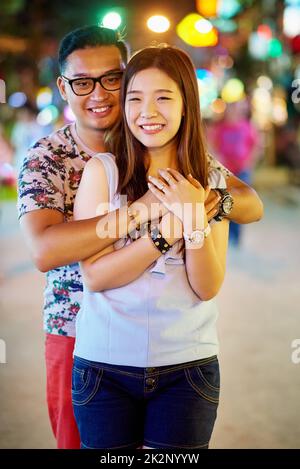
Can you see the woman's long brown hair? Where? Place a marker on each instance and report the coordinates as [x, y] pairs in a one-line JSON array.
[[191, 152]]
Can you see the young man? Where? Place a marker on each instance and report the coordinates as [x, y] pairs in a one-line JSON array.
[[91, 61]]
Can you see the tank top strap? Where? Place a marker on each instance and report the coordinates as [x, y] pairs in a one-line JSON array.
[[111, 169]]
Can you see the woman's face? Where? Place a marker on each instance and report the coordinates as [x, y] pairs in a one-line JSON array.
[[153, 108]]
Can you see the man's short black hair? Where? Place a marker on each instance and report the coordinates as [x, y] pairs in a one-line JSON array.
[[89, 36]]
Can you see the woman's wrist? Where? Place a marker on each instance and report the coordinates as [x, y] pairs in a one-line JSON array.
[[171, 228], [195, 218]]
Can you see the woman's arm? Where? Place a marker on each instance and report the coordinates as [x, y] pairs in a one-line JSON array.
[[109, 268], [206, 265]]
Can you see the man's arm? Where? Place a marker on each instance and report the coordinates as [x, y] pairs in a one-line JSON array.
[[54, 242], [247, 206]]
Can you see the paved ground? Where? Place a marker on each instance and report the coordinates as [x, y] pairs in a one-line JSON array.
[[259, 319]]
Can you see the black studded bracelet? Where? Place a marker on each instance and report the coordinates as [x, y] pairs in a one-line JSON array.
[[159, 242]]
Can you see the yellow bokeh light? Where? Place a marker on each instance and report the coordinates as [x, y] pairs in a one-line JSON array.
[[207, 7], [187, 31], [233, 90]]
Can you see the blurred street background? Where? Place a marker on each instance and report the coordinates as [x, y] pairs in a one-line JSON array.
[[247, 57]]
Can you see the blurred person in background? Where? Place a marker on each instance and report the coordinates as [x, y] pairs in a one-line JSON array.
[[235, 141], [91, 61], [26, 131]]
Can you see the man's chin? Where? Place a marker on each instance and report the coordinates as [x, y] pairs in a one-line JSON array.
[[99, 128]]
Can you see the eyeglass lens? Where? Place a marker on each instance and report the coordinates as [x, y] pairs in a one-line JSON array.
[[109, 82]]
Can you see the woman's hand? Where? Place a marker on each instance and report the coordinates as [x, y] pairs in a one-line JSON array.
[[212, 200], [149, 208], [177, 193]]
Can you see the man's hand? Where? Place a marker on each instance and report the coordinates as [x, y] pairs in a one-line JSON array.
[[212, 200]]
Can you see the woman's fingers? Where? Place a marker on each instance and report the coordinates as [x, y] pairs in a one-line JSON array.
[[194, 181], [158, 184], [176, 174], [167, 176], [157, 192], [212, 202], [207, 192]]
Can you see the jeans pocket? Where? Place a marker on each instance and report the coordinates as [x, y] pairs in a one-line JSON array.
[[205, 380], [85, 382]]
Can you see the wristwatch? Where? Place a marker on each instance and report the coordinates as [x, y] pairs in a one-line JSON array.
[[196, 238], [225, 205]]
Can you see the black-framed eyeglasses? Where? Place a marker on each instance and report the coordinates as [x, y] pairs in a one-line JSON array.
[[86, 85]]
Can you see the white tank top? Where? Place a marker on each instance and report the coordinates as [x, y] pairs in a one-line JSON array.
[[153, 321]]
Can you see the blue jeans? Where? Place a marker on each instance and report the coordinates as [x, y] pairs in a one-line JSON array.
[[167, 407]]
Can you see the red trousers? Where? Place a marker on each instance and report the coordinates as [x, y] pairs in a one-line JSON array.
[[59, 362]]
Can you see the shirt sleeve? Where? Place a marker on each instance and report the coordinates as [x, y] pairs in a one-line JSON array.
[[41, 181], [214, 164]]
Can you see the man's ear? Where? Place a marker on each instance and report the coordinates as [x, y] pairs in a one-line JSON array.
[[61, 87]]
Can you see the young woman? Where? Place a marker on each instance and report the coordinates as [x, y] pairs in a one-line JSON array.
[[145, 364]]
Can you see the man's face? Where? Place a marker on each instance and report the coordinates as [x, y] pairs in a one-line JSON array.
[[98, 110]]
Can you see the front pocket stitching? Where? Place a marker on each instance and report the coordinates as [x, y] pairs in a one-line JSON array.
[[83, 388], [201, 393], [214, 388], [94, 391]]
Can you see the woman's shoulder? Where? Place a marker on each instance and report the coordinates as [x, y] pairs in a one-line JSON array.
[[100, 161]]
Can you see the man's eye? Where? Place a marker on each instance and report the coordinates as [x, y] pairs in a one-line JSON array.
[[113, 79], [81, 84]]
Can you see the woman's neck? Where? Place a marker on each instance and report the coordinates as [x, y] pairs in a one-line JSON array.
[[162, 158]]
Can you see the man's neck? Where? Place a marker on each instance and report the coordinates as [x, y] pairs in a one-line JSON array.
[[91, 138]]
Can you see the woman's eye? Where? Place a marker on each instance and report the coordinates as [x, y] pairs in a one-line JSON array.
[[133, 99], [164, 98]]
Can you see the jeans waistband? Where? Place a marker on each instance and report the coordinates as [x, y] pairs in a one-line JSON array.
[[140, 371]]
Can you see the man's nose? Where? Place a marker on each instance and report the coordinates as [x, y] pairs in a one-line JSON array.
[[99, 92]]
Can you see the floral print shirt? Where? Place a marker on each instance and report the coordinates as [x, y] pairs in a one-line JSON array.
[[49, 178]]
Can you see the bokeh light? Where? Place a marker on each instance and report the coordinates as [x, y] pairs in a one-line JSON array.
[[44, 97], [48, 115], [233, 90], [17, 99], [112, 20], [158, 24]]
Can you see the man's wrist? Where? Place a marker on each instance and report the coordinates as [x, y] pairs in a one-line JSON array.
[[225, 205]]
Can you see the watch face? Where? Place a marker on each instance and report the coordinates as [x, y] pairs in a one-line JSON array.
[[197, 237], [227, 205]]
